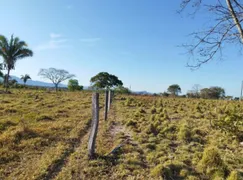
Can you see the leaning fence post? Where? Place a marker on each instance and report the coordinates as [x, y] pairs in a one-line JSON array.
[[106, 104], [94, 125]]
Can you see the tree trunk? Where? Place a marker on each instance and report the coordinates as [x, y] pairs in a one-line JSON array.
[[56, 87], [235, 18], [6, 81]]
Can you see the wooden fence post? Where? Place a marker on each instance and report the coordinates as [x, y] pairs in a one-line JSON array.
[[94, 125], [109, 99], [106, 104]]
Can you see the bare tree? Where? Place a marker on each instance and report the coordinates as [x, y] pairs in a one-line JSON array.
[[227, 29], [55, 75], [196, 89]]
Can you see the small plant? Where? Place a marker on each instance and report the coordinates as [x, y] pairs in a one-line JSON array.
[[184, 133], [211, 163]]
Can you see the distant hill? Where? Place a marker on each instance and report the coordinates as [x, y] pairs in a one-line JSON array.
[[36, 83], [142, 92]]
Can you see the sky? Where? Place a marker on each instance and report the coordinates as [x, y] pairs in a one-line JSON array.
[[136, 40]]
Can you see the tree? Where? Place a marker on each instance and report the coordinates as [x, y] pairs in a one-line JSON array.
[[1, 73], [165, 94], [195, 92], [13, 82], [105, 80], [55, 75], [11, 51], [226, 29], [74, 85], [212, 93], [174, 89], [25, 78], [122, 90]]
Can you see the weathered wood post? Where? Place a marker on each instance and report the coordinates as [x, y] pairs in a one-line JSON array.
[[94, 125], [106, 104], [109, 99]]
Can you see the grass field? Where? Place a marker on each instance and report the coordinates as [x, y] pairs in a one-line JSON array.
[[44, 135]]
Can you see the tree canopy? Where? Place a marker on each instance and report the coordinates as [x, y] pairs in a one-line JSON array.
[[105, 80], [174, 89], [212, 93], [73, 85], [122, 90], [25, 78], [55, 75], [11, 51]]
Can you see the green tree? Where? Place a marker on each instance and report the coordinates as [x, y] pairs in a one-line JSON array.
[[11, 51], [105, 80], [55, 75], [174, 89], [122, 90], [1, 73], [25, 78], [212, 93], [73, 85]]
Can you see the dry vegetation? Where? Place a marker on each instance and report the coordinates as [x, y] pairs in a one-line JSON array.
[[38, 130], [44, 136]]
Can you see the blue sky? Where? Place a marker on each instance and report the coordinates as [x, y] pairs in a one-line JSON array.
[[137, 40]]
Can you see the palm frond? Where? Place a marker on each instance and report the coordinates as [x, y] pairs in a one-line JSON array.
[[22, 53]]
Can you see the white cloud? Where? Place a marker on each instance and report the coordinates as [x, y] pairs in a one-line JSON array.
[[56, 42]]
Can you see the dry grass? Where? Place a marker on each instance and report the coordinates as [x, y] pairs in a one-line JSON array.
[[44, 135], [39, 129]]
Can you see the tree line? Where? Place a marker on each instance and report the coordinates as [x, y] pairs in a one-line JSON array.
[[14, 49], [213, 92]]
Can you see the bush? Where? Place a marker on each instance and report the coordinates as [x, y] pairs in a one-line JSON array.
[[184, 133], [73, 85], [211, 163], [169, 170]]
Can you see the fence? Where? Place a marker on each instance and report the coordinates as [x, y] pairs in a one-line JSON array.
[[95, 119]]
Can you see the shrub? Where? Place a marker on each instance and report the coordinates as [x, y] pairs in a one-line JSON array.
[[169, 170], [160, 171], [184, 133], [211, 163]]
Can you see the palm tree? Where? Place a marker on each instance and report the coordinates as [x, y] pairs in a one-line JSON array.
[[11, 51], [25, 78]]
